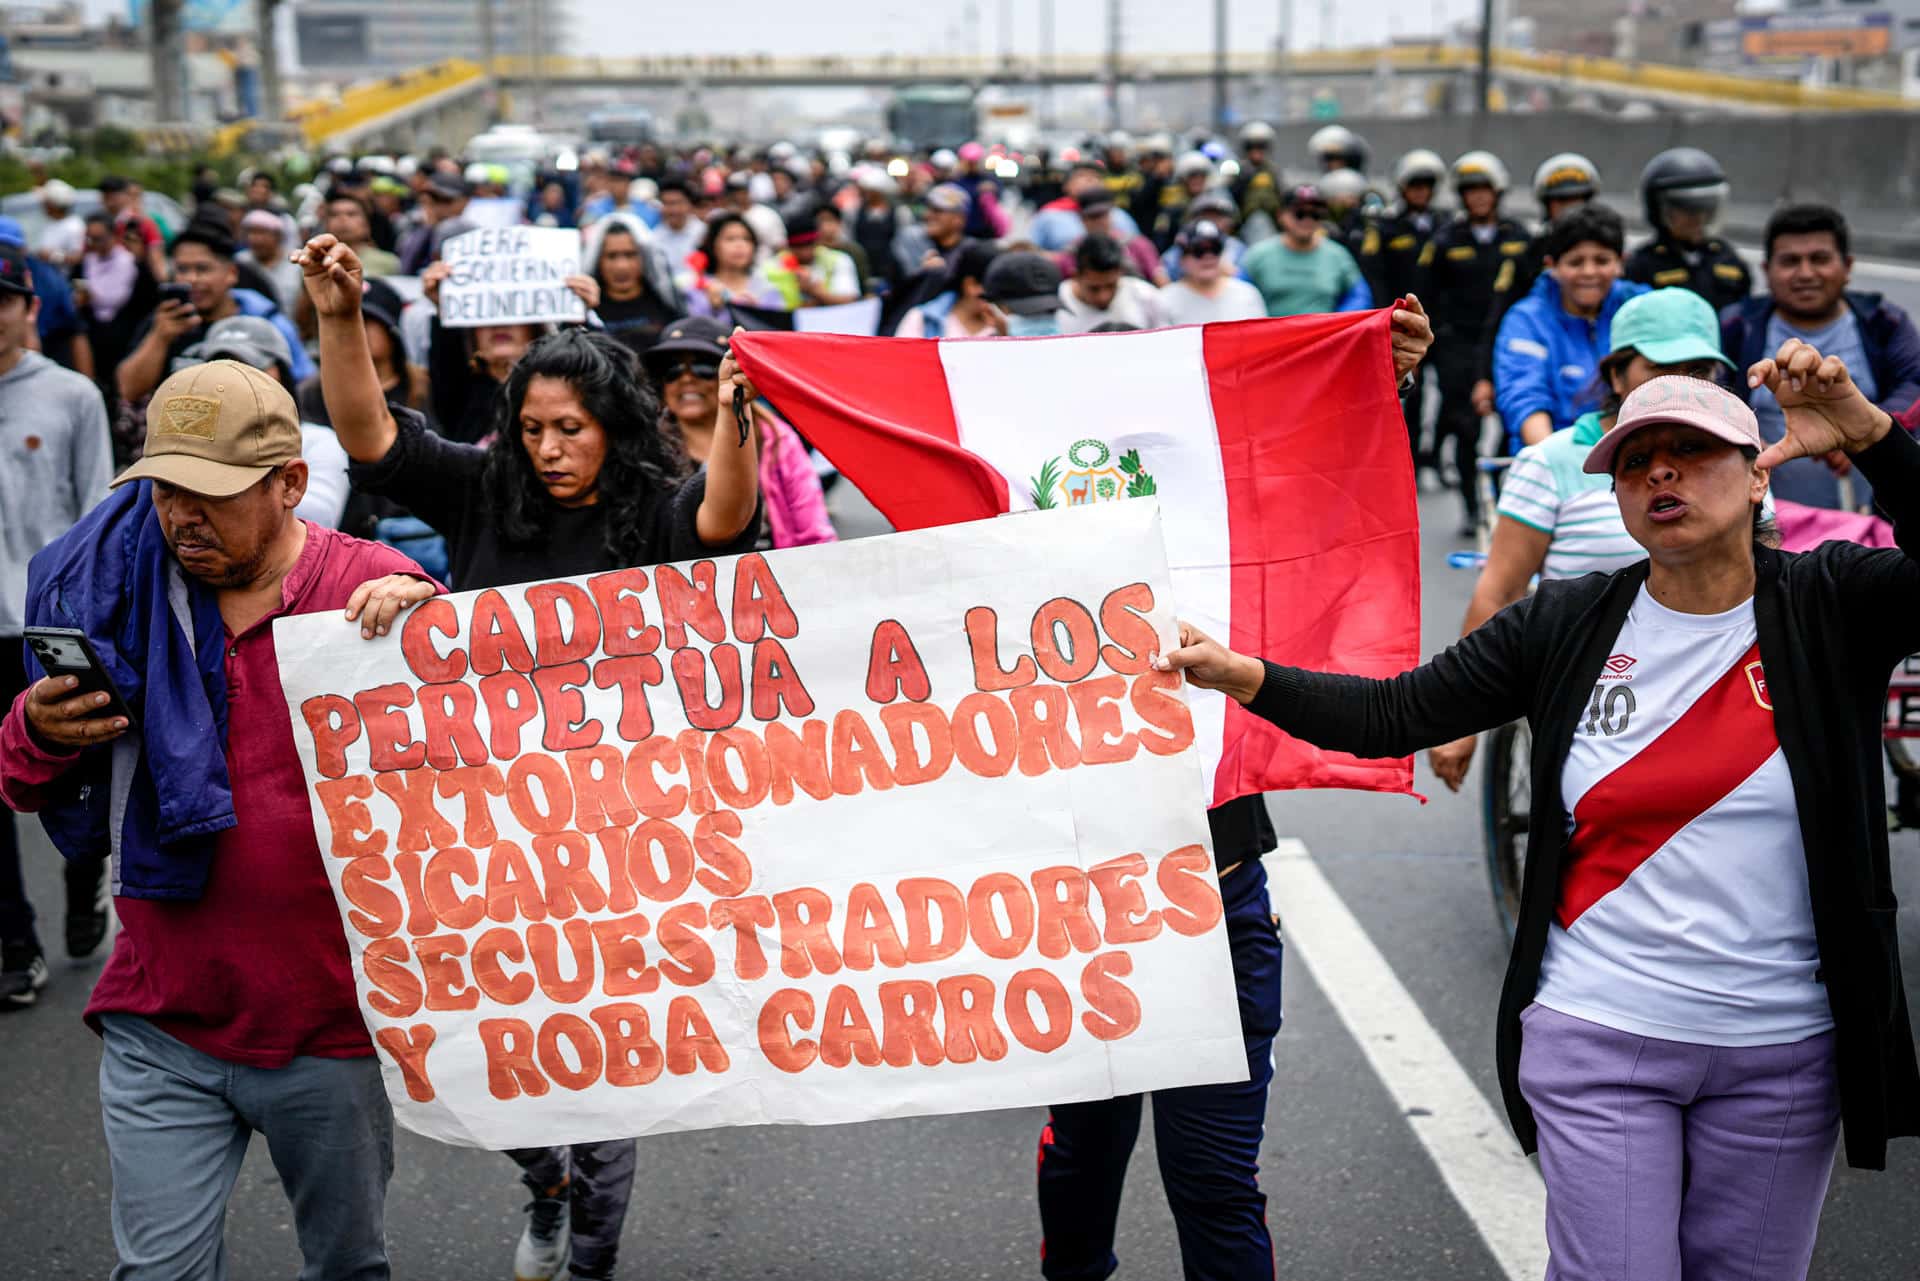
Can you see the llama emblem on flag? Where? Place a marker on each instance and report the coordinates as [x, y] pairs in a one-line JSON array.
[[1090, 478]]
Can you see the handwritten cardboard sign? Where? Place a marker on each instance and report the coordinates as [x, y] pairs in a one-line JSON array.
[[510, 276], [881, 828]]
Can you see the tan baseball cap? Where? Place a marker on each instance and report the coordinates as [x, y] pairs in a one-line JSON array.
[[215, 429]]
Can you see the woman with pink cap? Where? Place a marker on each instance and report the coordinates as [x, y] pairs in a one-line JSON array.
[[1704, 995]]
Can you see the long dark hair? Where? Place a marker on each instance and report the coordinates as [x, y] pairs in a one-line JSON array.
[[719, 223], [641, 462]]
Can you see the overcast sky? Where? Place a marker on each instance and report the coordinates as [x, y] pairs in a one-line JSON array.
[[623, 27]]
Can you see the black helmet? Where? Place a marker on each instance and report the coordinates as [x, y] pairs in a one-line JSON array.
[[1686, 177]]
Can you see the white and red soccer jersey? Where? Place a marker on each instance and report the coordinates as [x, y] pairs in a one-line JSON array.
[[1683, 911]]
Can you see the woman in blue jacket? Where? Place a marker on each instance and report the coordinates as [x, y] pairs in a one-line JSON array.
[[1546, 357]]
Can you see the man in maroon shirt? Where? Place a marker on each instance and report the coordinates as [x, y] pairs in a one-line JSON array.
[[234, 1011]]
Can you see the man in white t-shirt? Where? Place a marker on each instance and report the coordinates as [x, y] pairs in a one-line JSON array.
[[1207, 290], [1101, 292], [65, 237]]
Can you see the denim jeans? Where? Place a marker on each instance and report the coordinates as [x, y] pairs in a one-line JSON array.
[[178, 1123]]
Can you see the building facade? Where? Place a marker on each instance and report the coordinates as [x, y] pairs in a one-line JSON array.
[[1637, 30], [377, 37]]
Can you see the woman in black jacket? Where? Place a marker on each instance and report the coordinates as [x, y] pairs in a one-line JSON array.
[[1705, 989]]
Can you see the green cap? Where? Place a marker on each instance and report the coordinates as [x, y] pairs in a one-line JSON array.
[[1669, 327]]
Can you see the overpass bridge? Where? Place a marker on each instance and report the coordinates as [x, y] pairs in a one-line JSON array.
[[1601, 78], [451, 100]]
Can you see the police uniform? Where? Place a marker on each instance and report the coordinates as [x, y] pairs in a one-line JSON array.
[[1257, 190], [1714, 270], [1123, 186], [1171, 215], [1389, 257], [1457, 279], [1508, 290]]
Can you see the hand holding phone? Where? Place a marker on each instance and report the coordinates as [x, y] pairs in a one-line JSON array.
[[76, 705]]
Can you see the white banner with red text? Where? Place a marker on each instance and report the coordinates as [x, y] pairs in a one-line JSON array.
[[890, 827]]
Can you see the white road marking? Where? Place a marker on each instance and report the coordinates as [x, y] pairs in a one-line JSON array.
[[1466, 1137]]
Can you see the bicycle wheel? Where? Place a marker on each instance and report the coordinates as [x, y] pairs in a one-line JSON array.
[[1507, 808]]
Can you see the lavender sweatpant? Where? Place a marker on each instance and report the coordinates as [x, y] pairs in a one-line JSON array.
[[1666, 1161]]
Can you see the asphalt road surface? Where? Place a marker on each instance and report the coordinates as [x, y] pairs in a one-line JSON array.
[[1385, 1155]]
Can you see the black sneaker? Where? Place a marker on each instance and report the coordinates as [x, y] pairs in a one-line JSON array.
[[86, 908], [23, 972]]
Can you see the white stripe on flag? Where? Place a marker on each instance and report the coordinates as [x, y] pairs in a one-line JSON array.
[[1021, 404]]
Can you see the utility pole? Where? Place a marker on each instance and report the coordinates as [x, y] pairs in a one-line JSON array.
[[1047, 64], [486, 36], [1113, 64], [538, 27], [273, 102], [1282, 35], [1483, 74], [1220, 121], [166, 61]]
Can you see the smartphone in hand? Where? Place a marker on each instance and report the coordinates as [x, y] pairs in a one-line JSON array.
[[66, 651]]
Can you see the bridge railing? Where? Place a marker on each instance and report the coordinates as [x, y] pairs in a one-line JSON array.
[[1592, 74], [375, 100]]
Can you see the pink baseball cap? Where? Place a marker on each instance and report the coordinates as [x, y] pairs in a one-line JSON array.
[[972, 151], [1687, 401]]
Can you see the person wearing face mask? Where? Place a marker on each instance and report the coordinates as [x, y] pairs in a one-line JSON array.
[[685, 367], [1025, 284], [1551, 342], [576, 478], [1808, 265], [1207, 291], [1682, 191], [637, 295]]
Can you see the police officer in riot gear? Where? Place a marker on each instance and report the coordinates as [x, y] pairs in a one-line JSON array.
[[1345, 192], [1256, 188], [1338, 147], [1193, 173], [1461, 267], [1562, 182], [1389, 256], [1683, 191], [1156, 175]]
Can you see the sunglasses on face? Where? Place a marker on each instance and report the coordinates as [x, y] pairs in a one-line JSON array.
[[704, 370], [1204, 251]]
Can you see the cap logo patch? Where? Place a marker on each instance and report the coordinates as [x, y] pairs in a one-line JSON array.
[[188, 416]]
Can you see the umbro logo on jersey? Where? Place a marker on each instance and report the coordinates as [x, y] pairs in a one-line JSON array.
[[1619, 668]]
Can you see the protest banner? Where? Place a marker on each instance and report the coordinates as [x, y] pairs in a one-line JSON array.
[[880, 828], [510, 276], [861, 316]]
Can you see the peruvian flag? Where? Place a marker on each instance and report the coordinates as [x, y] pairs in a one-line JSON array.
[[1275, 447]]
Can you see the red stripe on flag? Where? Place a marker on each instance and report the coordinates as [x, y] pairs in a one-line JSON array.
[[1630, 815], [1323, 527], [879, 408]]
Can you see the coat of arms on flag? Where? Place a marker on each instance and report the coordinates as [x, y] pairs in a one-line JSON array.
[[1094, 476], [1276, 449]]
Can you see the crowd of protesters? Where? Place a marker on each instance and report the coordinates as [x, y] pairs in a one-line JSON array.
[[295, 429]]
